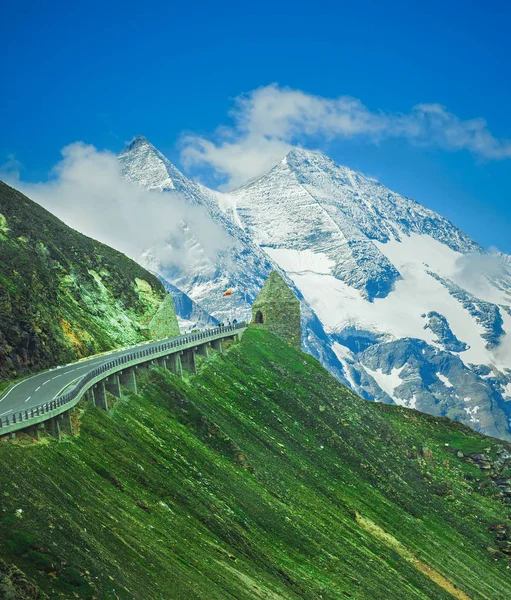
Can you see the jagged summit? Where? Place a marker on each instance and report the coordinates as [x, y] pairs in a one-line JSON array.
[[302, 154], [142, 163], [319, 189], [297, 156], [139, 140]]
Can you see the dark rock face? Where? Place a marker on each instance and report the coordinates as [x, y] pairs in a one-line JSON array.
[[441, 328], [499, 469], [277, 310], [502, 537], [63, 295], [437, 382], [485, 313], [15, 586]]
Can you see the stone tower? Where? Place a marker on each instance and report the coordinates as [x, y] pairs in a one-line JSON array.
[[277, 310]]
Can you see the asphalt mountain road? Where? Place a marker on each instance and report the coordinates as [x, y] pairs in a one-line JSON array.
[[46, 386]]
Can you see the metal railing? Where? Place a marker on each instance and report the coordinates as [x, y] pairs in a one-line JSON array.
[[137, 356]]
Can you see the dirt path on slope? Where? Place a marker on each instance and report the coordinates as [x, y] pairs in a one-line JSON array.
[[396, 545]]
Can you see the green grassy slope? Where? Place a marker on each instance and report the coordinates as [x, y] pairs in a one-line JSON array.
[[63, 295], [259, 478]]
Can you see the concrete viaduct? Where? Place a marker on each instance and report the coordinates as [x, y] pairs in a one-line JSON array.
[[109, 373]]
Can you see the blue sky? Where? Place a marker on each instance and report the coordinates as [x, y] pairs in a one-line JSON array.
[[104, 72]]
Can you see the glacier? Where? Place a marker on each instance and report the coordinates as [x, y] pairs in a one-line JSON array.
[[390, 302]]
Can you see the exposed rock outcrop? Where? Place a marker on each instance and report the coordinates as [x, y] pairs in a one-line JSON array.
[[14, 585]]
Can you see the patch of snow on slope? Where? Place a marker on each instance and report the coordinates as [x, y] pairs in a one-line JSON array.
[[399, 315], [444, 380], [185, 324], [342, 352], [298, 262], [388, 382], [423, 250], [472, 412], [507, 391], [414, 256], [346, 358]]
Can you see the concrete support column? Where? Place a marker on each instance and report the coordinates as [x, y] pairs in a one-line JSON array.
[[162, 362], [203, 350], [35, 430], [129, 380], [112, 385], [217, 345], [65, 422], [52, 426], [188, 360], [174, 364], [100, 395]]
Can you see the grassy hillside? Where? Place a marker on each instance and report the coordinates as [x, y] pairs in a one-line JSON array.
[[63, 295], [259, 478]]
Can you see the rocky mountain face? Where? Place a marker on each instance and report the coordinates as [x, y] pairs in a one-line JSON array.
[[63, 295], [14, 585], [396, 301]]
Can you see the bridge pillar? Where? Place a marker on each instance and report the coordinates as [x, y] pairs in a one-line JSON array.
[[52, 426], [217, 345], [35, 430], [100, 395], [65, 422], [129, 380], [188, 360], [203, 350], [112, 385], [162, 362], [174, 364]]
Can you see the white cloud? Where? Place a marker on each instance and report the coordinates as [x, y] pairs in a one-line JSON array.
[[474, 270], [88, 192], [270, 119]]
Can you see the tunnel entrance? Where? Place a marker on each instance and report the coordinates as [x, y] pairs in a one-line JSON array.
[[259, 317]]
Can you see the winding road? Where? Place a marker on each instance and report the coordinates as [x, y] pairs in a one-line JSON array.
[[46, 386]]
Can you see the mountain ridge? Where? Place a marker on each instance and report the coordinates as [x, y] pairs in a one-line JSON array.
[[379, 275]]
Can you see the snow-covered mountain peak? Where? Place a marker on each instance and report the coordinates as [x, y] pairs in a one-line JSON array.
[[379, 213], [308, 165], [138, 141], [396, 301], [388, 278], [297, 158], [142, 163], [342, 213]]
